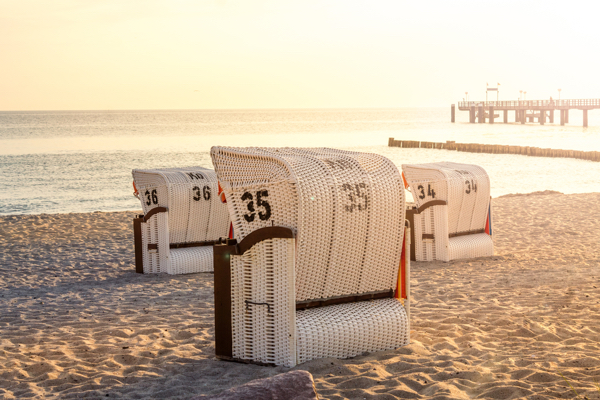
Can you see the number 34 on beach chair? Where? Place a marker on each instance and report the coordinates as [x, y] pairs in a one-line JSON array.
[[315, 267], [183, 217], [452, 216]]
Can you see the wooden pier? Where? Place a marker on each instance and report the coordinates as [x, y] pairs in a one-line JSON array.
[[526, 110], [497, 149]]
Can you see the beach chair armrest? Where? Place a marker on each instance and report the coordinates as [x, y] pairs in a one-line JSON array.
[[154, 211], [430, 204], [257, 236]]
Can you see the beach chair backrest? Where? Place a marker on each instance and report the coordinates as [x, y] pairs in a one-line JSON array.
[[346, 209], [465, 188], [196, 213]]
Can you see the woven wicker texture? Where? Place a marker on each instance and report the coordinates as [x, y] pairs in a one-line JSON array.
[[347, 330], [195, 214], [432, 221], [264, 330], [155, 262], [470, 246], [346, 208], [466, 189], [347, 211], [190, 260]]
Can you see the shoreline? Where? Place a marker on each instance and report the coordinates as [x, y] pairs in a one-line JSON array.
[[78, 321], [139, 211]]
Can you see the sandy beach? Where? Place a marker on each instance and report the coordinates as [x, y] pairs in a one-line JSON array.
[[78, 322]]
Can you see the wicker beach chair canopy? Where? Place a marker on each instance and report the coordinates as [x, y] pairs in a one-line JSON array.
[[346, 211], [193, 214]]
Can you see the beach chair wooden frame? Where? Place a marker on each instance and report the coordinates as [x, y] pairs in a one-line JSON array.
[[315, 267], [183, 218], [452, 212]]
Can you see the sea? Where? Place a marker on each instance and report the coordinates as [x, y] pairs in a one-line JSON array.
[[81, 161]]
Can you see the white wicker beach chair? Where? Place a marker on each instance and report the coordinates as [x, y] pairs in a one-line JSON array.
[[183, 217], [318, 232], [452, 217]]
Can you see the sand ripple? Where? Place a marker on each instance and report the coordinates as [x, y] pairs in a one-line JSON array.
[[78, 322]]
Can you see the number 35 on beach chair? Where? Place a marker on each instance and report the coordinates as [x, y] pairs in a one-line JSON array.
[[183, 217], [452, 216], [315, 267]]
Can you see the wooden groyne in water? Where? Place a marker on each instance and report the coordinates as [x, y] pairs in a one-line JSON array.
[[497, 149]]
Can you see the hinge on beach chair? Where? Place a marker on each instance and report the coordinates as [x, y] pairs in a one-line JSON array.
[[248, 302]]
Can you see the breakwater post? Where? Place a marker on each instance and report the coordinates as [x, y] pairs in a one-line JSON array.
[[497, 149], [452, 112]]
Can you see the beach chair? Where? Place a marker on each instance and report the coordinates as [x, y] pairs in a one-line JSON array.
[[313, 270], [183, 217], [452, 216]]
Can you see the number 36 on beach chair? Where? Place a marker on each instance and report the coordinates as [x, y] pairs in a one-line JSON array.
[[315, 267], [183, 217]]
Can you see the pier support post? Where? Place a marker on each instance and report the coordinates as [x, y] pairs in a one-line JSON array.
[[551, 116], [585, 124], [506, 116], [472, 114], [481, 115], [542, 117], [452, 112], [523, 113], [562, 117], [566, 116], [491, 114]]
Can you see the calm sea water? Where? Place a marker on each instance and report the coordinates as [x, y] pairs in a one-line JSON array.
[[81, 161]]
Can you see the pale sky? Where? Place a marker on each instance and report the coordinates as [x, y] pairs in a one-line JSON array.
[[207, 54]]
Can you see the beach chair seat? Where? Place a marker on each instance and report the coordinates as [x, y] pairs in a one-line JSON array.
[[451, 217], [183, 217], [315, 267]]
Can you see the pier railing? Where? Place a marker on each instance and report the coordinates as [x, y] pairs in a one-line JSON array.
[[530, 104]]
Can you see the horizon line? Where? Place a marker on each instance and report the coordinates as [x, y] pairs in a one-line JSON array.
[[220, 109]]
